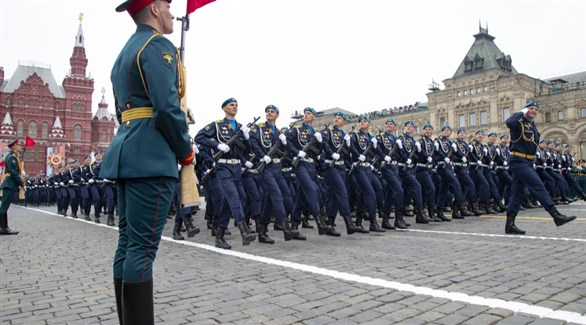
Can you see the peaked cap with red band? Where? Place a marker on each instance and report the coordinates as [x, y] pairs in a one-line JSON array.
[[134, 6]]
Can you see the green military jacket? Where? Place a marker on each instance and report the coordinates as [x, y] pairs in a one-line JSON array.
[[12, 167], [147, 147]]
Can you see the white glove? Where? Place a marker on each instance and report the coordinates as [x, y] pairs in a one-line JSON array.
[[347, 139], [447, 160], [454, 146], [498, 151], [195, 149], [408, 162], [388, 159], [525, 110], [374, 142], [266, 159], [371, 167], [223, 147], [362, 158], [470, 147], [248, 164], [418, 146], [317, 136], [301, 154], [464, 159], [335, 156], [559, 166], [505, 163], [429, 160], [479, 162], [62, 184], [491, 163], [485, 150], [55, 183], [283, 138], [400, 143], [23, 173], [436, 145], [534, 166], [245, 131], [194, 161], [91, 181], [70, 181]]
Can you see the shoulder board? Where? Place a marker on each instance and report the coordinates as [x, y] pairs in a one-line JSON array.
[[219, 121], [260, 125]]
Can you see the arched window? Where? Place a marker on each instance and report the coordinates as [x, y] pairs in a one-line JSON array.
[[46, 103], [20, 101], [45, 130], [560, 115], [32, 129], [33, 102], [77, 133], [548, 117], [8, 101], [20, 128], [583, 112]]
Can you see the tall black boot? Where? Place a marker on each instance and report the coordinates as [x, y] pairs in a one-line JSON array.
[[322, 227], [386, 224], [399, 221], [350, 226], [220, 242], [432, 216], [137, 303], [177, 231], [476, 210], [419, 217], [247, 236], [97, 217], [305, 222], [118, 293], [488, 208], [456, 213], [263, 236], [110, 221], [295, 231], [511, 228], [559, 218], [288, 232], [463, 211], [442, 216], [191, 229], [331, 231], [374, 226], [359, 225], [4, 230]]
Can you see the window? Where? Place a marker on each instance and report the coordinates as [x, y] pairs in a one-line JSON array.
[[32, 129], [33, 102], [8, 101], [77, 151], [472, 119], [462, 121], [472, 91], [583, 112], [38, 155], [485, 88], [46, 103], [506, 113], [45, 130], [77, 133], [459, 94], [103, 136], [465, 92], [442, 122], [483, 118], [20, 128], [27, 155], [20, 101], [548, 117], [478, 90], [560, 116]]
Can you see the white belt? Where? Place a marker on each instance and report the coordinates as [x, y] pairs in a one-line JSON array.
[[288, 169], [276, 160], [336, 162], [307, 160], [424, 165], [362, 164], [229, 161], [253, 171], [502, 167], [460, 164]]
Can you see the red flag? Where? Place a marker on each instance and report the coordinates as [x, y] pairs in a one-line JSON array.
[[29, 142], [193, 5]]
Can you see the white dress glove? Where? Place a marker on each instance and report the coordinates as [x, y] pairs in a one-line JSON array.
[[62, 184], [505, 163], [362, 158], [479, 163], [399, 143], [470, 147], [70, 181], [266, 159], [429, 160], [418, 146], [374, 142], [485, 150], [283, 138], [525, 110], [335, 156], [223, 147], [248, 164], [245, 132], [491, 163], [498, 151], [91, 181], [447, 160], [388, 159], [347, 139], [301, 154], [195, 149], [409, 161], [455, 147], [317, 136], [464, 159]]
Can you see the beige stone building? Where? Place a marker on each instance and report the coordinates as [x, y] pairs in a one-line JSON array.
[[486, 89]]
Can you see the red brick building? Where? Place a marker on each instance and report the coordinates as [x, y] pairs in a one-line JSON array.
[[33, 104]]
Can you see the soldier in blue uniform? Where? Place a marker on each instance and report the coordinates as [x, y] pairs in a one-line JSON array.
[[460, 162], [11, 184], [229, 170], [524, 140], [478, 160], [96, 189], [143, 155], [567, 165], [423, 170], [502, 169]]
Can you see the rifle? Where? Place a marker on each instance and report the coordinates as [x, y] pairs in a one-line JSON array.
[[341, 148], [309, 146], [274, 150], [412, 156], [235, 140]]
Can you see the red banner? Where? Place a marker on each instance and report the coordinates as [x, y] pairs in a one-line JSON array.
[[193, 5]]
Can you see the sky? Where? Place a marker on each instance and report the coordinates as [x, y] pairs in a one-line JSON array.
[[356, 55]]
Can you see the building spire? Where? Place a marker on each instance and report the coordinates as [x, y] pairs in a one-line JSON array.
[[79, 36], [7, 128]]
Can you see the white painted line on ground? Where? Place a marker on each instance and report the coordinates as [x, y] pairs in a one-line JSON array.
[[520, 237]]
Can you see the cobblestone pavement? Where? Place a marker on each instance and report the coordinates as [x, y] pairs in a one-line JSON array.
[[58, 271]]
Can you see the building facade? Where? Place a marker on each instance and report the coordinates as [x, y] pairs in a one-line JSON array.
[[55, 116]]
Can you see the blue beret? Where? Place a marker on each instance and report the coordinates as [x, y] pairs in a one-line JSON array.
[[491, 134], [13, 142], [228, 101], [446, 126], [504, 135], [86, 157], [531, 104], [462, 129], [479, 131], [342, 115], [392, 120], [409, 122], [428, 126], [363, 117], [567, 145], [98, 152], [311, 110], [272, 107]]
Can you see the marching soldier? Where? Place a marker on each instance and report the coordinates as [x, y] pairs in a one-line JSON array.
[[423, 171], [567, 165], [477, 166]]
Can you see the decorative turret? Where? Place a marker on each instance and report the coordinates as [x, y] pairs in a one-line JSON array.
[[1, 75], [103, 124], [102, 108], [7, 127], [78, 59], [57, 130]]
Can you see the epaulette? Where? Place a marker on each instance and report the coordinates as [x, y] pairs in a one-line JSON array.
[[261, 125], [219, 121]]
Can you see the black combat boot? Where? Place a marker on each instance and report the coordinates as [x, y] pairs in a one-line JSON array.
[[359, 225], [419, 217], [87, 217], [305, 222], [118, 293], [191, 229], [4, 230], [386, 224], [322, 226], [488, 208], [374, 226], [263, 236], [476, 209], [511, 228], [249, 224], [288, 232], [247, 236], [331, 230], [295, 231], [399, 221], [350, 226], [209, 221], [74, 214], [432, 216], [97, 217], [463, 211], [177, 231], [220, 242], [559, 218], [110, 221], [456, 213], [137, 303], [442, 216]]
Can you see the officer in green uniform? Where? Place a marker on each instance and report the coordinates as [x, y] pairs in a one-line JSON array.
[[143, 155], [11, 184]]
